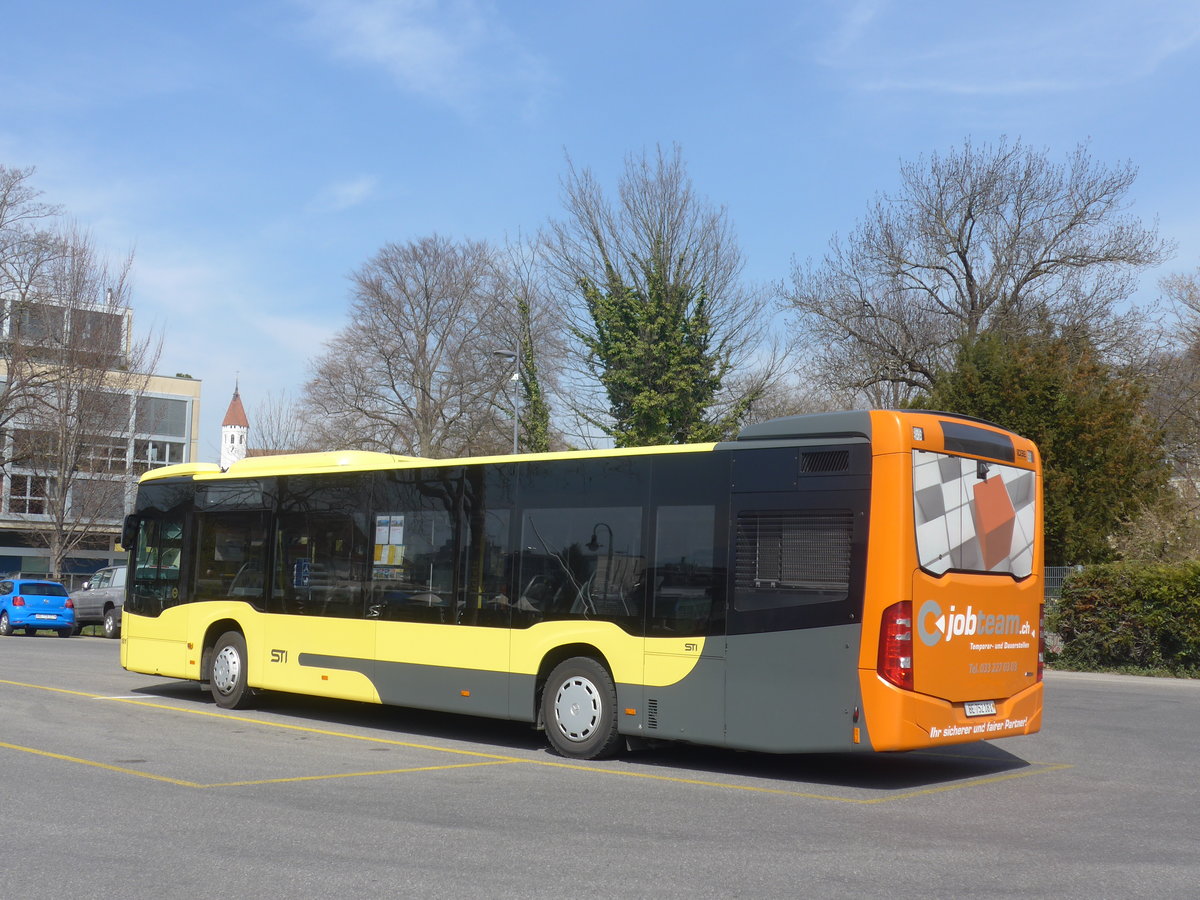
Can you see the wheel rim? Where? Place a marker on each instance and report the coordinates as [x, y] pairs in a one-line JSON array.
[[577, 709], [227, 670]]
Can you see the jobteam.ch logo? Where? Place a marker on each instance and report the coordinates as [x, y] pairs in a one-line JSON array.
[[934, 625]]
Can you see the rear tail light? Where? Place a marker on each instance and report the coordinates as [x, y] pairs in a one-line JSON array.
[[69, 604], [895, 645], [1041, 642], [18, 601]]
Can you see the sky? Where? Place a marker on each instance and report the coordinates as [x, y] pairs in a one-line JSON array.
[[254, 153]]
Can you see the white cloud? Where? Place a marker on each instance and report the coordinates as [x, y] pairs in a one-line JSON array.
[[849, 29], [1018, 48], [301, 339], [452, 52], [345, 194]]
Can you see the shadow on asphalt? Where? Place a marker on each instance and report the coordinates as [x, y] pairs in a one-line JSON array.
[[867, 771]]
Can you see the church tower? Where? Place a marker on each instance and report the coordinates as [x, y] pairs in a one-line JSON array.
[[234, 430]]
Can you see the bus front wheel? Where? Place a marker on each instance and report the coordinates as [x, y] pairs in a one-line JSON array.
[[227, 672], [579, 709]]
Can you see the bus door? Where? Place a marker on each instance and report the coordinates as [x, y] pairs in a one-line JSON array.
[[798, 555], [154, 631]]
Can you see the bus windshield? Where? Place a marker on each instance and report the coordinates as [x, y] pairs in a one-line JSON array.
[[973, 515]]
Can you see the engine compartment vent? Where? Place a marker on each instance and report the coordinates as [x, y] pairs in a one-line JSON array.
[[825, 461]]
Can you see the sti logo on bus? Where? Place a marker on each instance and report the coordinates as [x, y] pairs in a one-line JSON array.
[[948, 626]]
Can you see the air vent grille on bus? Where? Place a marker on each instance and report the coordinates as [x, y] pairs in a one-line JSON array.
[[821, 461], [794, 551], [651, 713]]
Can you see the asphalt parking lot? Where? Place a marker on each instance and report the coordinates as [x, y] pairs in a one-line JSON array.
[[116, 784]]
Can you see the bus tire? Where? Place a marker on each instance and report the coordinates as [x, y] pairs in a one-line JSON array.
[[227, 672], [579, 709]]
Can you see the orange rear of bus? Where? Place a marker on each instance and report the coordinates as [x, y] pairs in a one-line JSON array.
[[956, 541]]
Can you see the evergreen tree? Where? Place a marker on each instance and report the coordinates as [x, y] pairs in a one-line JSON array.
[[651, 350], [535, 418]]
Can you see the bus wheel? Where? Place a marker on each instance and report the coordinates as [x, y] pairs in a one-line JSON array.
[[227, 672], [579, 707]]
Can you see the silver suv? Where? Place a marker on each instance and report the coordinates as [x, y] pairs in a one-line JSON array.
[[99, 601]]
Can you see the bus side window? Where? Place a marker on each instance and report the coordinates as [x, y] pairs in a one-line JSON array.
[[230, 560], [412, 573], [487, 595], [683, 580], [582, 563], [321, 564]]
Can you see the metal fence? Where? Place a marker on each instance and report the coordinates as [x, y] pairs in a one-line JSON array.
[[1055, 575]]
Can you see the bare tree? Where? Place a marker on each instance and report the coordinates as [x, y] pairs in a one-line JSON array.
[[73, 441], [1183, 291], [28, 245], [413, 370], [658, 243], [279, 425], [1175, 375], [984, 239], [26, 236], [538, 341]]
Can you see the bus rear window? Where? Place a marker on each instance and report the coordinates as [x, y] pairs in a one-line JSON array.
[[973, 515]]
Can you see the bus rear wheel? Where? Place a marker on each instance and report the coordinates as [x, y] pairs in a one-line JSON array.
[[579, 709], [227, 672]]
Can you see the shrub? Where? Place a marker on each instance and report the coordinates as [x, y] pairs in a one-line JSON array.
[[1131, 615]]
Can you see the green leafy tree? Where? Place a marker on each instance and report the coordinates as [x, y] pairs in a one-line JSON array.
[[1102, 459], [651, 350]]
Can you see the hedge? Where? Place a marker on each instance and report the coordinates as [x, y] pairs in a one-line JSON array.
[[1131, 615]]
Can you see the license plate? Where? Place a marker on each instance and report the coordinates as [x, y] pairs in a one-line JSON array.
[[980, 707], [43, 616]]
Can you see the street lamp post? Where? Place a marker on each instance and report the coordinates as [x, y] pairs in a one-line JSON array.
[[515, 359]]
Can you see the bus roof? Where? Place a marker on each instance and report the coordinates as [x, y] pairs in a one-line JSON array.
[[853, 424], [849, 426], [363, 460]]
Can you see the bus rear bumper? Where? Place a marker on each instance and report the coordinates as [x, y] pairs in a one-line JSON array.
[[903, 720]]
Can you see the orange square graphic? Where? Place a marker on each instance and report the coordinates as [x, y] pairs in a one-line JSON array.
[[994, 520]]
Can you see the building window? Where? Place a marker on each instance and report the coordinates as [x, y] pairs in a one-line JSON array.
[[27, 494], [105, 456], [155, 454], [159, 415]]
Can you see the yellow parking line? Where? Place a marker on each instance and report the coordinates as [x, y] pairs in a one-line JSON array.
[[194, 784], [100, 765], [492, 759], [472, 765], [42, 687], [307, 729]]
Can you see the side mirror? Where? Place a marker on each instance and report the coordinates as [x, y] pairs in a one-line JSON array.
[[86, 586], [129, 532]]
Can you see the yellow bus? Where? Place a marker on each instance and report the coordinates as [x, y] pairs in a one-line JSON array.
[[865, 580]]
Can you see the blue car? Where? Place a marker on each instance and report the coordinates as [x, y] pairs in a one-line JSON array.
[[35, 605]]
